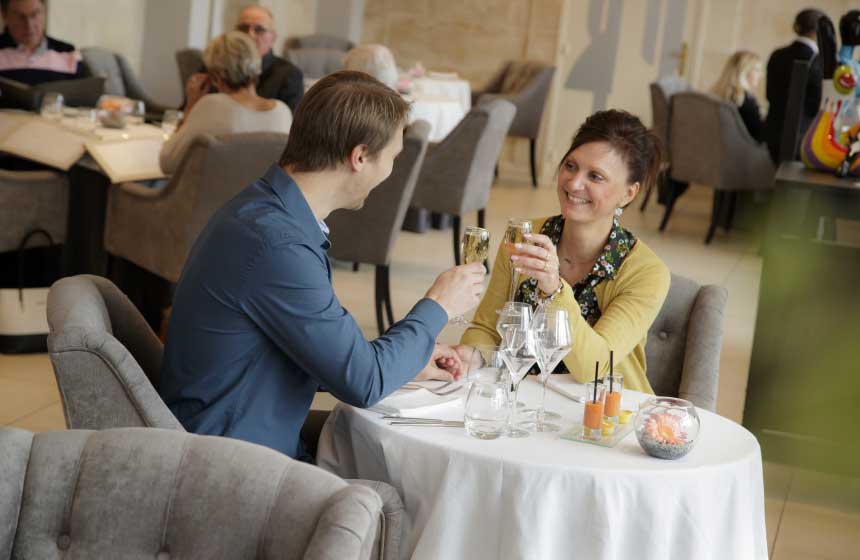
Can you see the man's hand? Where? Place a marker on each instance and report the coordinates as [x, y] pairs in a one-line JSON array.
[[470, 357], [444, 365], [458, 289]]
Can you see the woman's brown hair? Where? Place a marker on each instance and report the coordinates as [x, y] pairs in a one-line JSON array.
[[638, 147]]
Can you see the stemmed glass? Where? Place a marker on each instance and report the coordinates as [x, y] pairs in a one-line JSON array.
[[515, 232], [475, 247], [52, 106], [137, 113], [518, 352], [554, 339]]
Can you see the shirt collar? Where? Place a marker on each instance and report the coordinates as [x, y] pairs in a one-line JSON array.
[[7, 40], [808, 42], [288, 192]]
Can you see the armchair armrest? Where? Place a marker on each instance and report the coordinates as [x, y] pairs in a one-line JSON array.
[[700, 377]]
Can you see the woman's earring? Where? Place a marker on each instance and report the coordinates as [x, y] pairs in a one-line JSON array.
[[619, 211]]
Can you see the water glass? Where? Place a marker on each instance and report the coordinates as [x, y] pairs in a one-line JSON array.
[[137, 114], [486, 364], [52, 106], [170, 121], [487, 409]]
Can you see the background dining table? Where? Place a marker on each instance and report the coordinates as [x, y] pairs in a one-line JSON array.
[[546, 497]]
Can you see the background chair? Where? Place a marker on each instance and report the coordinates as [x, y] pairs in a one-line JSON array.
[[155, 228], [710, 146], [119, 77], [683, 347], [318, 41], [133, 493], [661, 93], [458, 171], [188, 61], [526, 85], [316, 62], [31, 200], [368, 235], [107, 362]]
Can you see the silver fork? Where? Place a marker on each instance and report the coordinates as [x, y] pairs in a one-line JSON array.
[[415, 386], [440, 391]]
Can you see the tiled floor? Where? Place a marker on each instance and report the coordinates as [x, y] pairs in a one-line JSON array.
[[809, 515]]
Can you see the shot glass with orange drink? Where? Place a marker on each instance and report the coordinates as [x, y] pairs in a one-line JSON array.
[[594, 406], [613, 385]]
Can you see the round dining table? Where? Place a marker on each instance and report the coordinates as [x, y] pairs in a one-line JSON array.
[[546, 497]]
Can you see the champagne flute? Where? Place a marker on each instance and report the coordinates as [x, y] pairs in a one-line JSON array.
[[518, 352], [515, 232], [554, 339], [475, 247]]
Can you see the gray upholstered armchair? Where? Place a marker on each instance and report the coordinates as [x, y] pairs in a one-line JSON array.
[[683, 348], [458, 171], [368, 235], [31, 200], [143, 493], [318, 41], [316, 62], [710, 145], [119, 77], [188, 61], [526, 85], [155, 228], [661, 93], [107, 362]]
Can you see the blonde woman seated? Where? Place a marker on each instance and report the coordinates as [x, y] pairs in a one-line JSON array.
[[740, 77], [583, 259], [375, 60], [233, 65]]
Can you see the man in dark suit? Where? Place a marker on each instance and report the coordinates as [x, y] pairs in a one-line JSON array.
[[779, 67], [280, 79]]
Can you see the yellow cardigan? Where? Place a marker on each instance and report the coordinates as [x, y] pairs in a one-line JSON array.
[[628, 304]]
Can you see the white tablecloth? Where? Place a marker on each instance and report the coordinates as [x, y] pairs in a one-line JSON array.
[[451, 88], [442, 113], [544, 497]]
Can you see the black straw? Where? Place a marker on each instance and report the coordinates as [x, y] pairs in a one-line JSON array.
[[596, 368], [611, 369]]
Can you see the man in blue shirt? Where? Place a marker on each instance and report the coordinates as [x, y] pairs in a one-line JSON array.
[[256, 327]]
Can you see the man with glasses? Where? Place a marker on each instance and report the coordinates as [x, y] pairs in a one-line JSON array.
[[280, 79], [27, 54]]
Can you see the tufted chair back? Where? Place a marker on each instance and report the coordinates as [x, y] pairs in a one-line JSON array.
[[148, 493], [683, 348]]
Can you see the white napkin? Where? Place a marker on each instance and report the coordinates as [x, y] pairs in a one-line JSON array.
[[406, 403], [569, 390]]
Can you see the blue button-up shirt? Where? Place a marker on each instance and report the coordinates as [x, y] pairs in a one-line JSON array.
[[256, 327]]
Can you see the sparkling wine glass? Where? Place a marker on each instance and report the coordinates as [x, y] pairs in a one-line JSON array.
[[518, 351], [514, 233], [553, 338], [475, 247]]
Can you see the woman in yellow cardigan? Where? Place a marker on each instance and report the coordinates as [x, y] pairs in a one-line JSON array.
[[612, 283]]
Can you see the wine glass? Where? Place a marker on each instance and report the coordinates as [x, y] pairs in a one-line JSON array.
[[514, 233], [475, 247], [52, 106], [518, 352], [487, 404], [170, 122], [554, 339], [137, 114]]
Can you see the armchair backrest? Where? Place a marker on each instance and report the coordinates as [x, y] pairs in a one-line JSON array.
[[661, 92], [683, 347], [188, 61], [526, 84], [368, 235], [318, 41], [106, 359], [316, 62], [710, 145], [134, 493], [458, 171], [104, 63]]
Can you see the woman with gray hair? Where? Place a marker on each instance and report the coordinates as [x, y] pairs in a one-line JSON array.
[[233, 67], [375, 60]]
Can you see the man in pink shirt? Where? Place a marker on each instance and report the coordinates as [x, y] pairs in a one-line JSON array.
[[28, 55]]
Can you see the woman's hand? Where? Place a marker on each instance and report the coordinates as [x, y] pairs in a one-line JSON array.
[[444, 365], [538, 260], [197, 86]]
